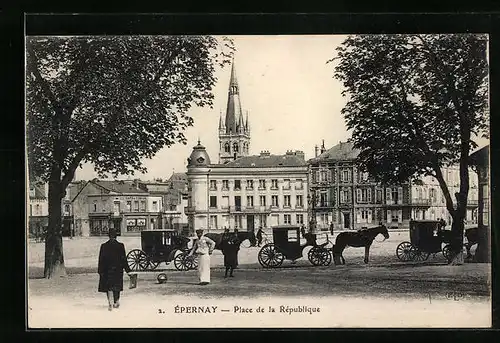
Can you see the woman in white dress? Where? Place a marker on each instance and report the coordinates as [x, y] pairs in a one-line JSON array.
[[203, 248]]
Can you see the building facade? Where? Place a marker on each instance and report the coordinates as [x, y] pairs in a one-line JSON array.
[[38, 207], [351, 199], [98, 205], [174, 198], [250, 192]]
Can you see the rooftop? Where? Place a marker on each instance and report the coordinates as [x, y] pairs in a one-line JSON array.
[[343, 151], [119, 186], [265, 159]]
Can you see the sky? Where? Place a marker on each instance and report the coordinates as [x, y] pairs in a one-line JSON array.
[[288, 89]]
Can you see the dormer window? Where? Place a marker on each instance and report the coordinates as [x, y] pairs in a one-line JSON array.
[[200, 159]]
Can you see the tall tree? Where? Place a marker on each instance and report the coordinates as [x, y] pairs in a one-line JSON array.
[[110, 101], [414, 104]]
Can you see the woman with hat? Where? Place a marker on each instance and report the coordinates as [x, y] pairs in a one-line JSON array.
[[203, 247], [112, 262]]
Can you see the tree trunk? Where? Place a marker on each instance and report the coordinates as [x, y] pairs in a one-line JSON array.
[[54, 258], [457, 233]]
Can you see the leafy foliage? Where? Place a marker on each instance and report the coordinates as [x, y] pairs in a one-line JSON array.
[[114, 101], [413, 100]]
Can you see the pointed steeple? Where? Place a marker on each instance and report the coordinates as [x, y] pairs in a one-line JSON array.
[[233, 112], [247, 124], [233, 82], [221, 124]]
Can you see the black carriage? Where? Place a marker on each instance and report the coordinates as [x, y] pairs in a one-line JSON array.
[[286, 245], [158, 246], [426, 237]]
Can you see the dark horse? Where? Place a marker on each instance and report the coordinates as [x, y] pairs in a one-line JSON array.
[[361, 238], [243, 235]]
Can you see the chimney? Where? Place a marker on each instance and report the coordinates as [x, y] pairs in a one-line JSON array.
[[300, 154], [136, 183], [323, 146], [264, 153], [316, 151]]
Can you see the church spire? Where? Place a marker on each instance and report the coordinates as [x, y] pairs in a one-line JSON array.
[[234, 134], [233, 112]]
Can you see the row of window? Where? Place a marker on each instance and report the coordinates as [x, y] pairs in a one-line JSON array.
[[262, 184], [131, 206], [363, 195], [262, 220], [299, 201], [236, 148], [345, 175]]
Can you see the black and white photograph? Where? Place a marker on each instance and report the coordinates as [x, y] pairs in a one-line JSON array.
[[258, 181]]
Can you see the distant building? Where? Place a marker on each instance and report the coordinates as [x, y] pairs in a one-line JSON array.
[[251, 191], [38, 207], [351, 199], [174, 195], [98, 205]]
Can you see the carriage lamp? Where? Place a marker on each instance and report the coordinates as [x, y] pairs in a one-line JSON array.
[[162, 278]]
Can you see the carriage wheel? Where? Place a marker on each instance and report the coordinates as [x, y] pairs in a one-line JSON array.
[[191, 262], [319, 256], [179, 262], [448, 255], [418, 255], [403, 251], [137, 260], [269, 256]]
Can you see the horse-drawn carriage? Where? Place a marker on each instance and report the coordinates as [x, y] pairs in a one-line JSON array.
[[158, 246], [426, 237], [286, 245]]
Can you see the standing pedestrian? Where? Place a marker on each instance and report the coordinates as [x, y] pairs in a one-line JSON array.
[[331, 228], [203, 247], [230, 248], [259, 236], [112, 262]]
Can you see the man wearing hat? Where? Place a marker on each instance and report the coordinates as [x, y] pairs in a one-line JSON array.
[[203, 248], [112, 262]]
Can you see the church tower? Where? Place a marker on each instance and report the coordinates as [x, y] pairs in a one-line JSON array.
[[234, 130]]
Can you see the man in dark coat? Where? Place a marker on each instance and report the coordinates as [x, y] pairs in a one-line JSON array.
[[112, 262], [259, 236], [230, 247]]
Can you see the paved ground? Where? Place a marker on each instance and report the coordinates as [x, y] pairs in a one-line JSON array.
[[383, 293]]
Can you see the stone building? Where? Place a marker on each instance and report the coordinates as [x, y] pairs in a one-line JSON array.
[[38, 207], [249, 192], [98, 205], [351, 199]]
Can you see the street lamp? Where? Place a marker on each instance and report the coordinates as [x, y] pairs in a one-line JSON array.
[[208, 200], [311, 200]]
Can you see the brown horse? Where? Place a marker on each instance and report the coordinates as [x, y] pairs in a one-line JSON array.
[[361, 238]]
